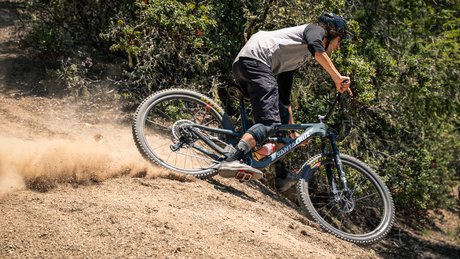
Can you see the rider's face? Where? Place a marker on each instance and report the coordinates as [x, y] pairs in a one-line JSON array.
[[334, 44]]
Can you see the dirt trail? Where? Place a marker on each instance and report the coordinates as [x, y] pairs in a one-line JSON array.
[[70, 189], [72, 184]]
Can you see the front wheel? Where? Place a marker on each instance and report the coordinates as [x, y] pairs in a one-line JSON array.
[[362, 214]]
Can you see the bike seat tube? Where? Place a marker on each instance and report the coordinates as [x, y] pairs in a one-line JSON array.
[[244, 117]]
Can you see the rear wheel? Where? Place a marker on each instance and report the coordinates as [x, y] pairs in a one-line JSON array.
[[364, 214], [161, 126]]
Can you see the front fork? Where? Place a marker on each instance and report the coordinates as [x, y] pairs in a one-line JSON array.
[[338, 192]]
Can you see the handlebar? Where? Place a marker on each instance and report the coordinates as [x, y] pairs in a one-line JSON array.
[[337, 99]]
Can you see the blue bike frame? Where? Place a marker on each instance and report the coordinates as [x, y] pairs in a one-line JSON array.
[[310, 130]]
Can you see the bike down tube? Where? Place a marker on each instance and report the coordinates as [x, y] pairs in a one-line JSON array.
[[310, 130]]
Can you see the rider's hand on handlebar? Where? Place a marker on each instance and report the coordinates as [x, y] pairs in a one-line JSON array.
[[343, 84]]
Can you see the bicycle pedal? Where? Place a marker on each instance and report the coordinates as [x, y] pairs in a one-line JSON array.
[[243, 176]]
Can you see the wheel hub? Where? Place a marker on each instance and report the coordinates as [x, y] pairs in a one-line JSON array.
[[346, 202], [181, 132]]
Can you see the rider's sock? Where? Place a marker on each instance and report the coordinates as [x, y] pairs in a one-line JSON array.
[[242, 149]]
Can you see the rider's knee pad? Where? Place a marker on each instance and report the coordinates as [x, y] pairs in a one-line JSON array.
[[261, 132]]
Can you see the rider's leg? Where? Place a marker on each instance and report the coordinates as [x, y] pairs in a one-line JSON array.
[[284, 178], [262, 88], [257, 134]]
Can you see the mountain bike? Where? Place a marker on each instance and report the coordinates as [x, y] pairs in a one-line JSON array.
[[189, 133]]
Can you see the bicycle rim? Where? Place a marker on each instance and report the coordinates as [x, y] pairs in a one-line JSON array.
[[158, 127]]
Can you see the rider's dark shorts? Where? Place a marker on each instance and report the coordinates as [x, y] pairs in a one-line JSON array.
[[261, 85]]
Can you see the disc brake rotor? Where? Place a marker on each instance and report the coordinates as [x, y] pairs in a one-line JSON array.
[[347, 202], [180, 131]]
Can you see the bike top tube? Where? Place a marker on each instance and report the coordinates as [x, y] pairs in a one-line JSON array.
[[281, 127]]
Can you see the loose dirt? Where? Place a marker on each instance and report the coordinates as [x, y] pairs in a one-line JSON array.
[[71, 188], [72, 184]]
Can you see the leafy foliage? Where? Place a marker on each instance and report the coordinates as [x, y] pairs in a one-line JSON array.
[[403, 62], [167, 44], [59, 25]]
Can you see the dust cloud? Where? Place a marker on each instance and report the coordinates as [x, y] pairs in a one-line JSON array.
[[41, 164]]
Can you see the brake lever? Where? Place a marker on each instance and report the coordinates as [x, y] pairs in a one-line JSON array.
[[348, 89]]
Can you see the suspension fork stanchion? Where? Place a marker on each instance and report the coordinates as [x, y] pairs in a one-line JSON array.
[[329, 172], [338, 162]]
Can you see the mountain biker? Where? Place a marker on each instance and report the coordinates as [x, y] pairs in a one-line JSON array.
[[264, 69]]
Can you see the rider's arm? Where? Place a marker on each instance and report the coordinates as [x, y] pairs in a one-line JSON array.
[[323, 59], [313, 35]]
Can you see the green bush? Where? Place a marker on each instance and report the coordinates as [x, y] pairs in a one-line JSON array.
[[58, 26], [403, 62], [167, 44], [418, 180]]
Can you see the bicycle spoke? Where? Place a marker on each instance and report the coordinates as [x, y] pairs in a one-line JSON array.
[[341, 221], [161, 146], [209, 122], [175, 160], [185, 159], [321, 196], [368, 207], [320, 208], [196, 156], [161, 112], [327, 214], [365, 197], [158, 124], [169, 156]]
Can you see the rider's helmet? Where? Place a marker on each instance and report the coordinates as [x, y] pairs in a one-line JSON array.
[[335, 25]]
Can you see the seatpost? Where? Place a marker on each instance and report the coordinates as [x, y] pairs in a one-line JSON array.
[[244, 117]]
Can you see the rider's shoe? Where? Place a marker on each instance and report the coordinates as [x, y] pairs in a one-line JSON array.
[[234, 169], [285, 179]]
